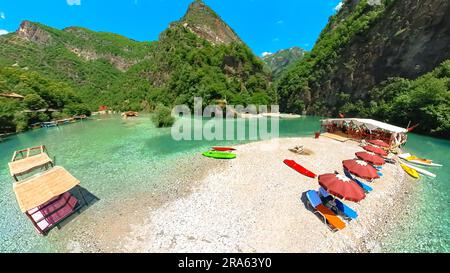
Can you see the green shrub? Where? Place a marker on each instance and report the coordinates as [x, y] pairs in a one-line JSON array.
[[75, 109], [34, 102], [21, 120], [162, 116]]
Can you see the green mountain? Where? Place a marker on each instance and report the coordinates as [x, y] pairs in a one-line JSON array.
[[363, 48], [280, 61], [202, 56], [90, 62], [199, 55]]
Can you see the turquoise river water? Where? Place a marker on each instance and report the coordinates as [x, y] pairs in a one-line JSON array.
[[108, 154]]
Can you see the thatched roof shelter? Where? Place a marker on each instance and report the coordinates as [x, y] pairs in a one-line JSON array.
[[12, 96]]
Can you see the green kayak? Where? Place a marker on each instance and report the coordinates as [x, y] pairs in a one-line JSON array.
[[219, 155]]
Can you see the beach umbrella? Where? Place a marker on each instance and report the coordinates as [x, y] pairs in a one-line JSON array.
[[379, 143], [361, 168], [376, 150], [342, 187], [371, 158]]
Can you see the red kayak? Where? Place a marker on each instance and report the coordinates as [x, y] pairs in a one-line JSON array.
[[299, 168], [223, 149]]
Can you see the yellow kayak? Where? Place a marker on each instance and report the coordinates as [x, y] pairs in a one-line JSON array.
[[410, 171], [415, 158]]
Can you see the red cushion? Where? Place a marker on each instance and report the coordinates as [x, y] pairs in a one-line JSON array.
[[56, 209]]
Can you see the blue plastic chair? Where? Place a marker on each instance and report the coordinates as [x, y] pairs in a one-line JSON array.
[[343, 208], [313, 198], [324, 193]]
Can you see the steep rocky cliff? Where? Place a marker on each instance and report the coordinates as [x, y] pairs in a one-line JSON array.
[[366, 43], [34, 33], [203, 21], [411, 38]]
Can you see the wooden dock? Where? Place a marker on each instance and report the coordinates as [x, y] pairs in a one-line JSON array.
[[336, 137], [40, 188], [25, 161]]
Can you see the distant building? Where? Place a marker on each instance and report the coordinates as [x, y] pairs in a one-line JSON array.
[[102, 108]]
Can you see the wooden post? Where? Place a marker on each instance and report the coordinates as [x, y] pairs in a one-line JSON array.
[[14, 156]]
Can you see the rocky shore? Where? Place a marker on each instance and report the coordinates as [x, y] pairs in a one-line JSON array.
[[256, 204]]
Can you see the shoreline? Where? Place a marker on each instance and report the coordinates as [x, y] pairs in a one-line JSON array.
[[88, 232], [238, 205]]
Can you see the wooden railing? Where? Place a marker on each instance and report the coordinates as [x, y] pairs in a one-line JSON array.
[[21, 154]]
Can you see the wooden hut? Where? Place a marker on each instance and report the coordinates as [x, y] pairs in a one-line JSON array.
[[130, 114], [12, 96], [367, 129]]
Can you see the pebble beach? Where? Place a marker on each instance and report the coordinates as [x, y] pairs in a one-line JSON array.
[[255, 203]]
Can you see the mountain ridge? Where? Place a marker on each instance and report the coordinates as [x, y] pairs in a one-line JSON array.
[[280, 60], [203, 58]]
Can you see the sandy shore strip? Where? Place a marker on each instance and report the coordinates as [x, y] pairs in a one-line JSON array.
[[254, 204], [97, 230]]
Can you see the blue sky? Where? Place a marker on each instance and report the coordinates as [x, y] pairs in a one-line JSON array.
[[265, 25]]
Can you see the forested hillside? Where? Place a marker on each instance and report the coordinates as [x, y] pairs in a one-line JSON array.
[[366, 44], [200, 55]]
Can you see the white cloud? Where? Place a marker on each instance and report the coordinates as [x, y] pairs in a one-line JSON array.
[[280, 22], [265, 54], [74, 2], [3, 32], [339, 6], [276, 40], [2, 15]]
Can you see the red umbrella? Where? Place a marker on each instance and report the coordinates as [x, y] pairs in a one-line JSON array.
[[376, 150], [371, 158], [342, 187], [361, 168], [379, 143]]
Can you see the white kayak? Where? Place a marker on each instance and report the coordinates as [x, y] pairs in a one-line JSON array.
[[421, 171], [420, 161]]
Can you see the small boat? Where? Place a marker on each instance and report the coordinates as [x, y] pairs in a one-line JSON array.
[[410, 171], [420, 161], [390, 160], [223, 149], [419, 170], [64, 121], [49, 124], [80, 117], [299, 168], [219, 155]]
